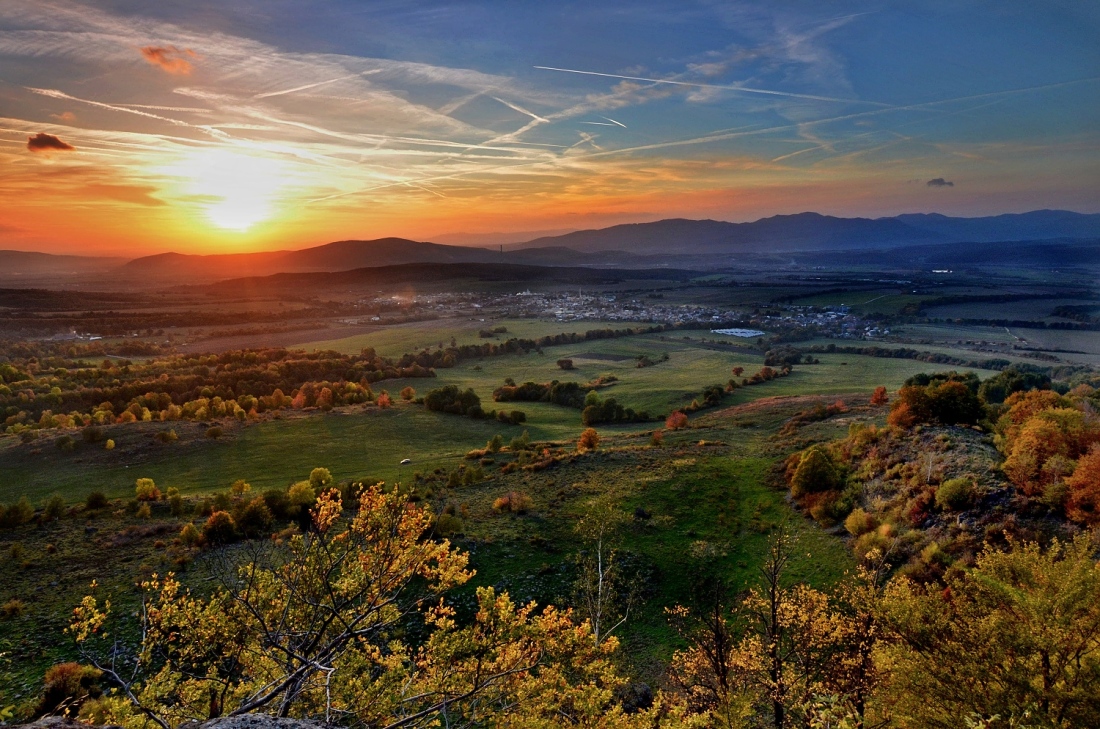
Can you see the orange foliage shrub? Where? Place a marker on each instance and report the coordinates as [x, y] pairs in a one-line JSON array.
[[384, 401], [1083, 504], [1038, 454], [589, 440], [513, 502], [879, 397], [676, 421]]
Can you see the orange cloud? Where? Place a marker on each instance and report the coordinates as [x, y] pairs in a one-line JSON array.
[[169, 58], [65, 116], [43, 143]]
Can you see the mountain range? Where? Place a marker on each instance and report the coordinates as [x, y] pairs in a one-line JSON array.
[[699, 244]]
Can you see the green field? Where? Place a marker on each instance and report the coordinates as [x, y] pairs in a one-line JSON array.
[[359, 442]]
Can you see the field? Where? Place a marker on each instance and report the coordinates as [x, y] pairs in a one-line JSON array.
[[358, 442]]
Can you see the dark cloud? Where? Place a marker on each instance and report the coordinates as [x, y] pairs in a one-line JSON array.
[[43, 142], [940, 182], [169, 58]]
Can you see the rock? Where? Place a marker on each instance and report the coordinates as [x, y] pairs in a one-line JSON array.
[[61, 722], [258, 721]]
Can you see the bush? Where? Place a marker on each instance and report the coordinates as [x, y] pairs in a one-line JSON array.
[[449, 399], [407, 393], [955, 494], [859, 522], [520, 442], [67, 686], [96, 500], [65, 443], [166, 436], [278, 503], [214, 431], [110, 445], [177, 505], [384, 401], [565, 364], [220, 528], [589, 440], [92, 434], [447, 525], [190, 535], [513, 502], [815, 473], [13, 608], [17, 514], [254, 518], [301, 497], [54, 509], [146, 490], [676, 420], [657, 438]]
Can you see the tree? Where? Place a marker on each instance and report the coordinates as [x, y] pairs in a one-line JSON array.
[[1017, 637], [1083, 504], [589, 440], [604, 594], [565, 364], [815, 473], [880, 397], [676, 420], [314, 628], [146, 490]]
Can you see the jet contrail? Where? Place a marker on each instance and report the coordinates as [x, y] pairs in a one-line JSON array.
[[598, 124], [745, 89], [616, 123], [521, 110], [312, 86]]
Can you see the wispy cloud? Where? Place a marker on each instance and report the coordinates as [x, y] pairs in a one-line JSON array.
[[170, 59]]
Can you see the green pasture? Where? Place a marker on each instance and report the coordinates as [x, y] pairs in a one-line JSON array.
[[397, 340]]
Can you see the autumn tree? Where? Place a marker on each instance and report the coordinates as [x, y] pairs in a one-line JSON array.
[[589, 440], [879, 396], [1083, 503], [1015, 641], [604, 593], [314, 628]]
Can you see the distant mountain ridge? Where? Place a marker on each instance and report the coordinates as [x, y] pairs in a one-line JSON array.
[[677, 242], [813, 231]]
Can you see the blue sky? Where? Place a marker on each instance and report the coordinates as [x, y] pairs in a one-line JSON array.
[[246, 124]]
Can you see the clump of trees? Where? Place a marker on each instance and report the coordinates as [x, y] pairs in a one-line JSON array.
[[449, 399], [946, 399], [598, 410]]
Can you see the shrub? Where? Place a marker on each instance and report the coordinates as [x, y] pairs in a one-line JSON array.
[[146, 490], [301, 497], [220, 528], [565, 364], [54, 509], [407, 393], [144, 512], [92, 434], [859, 522], [166, 436], [13, 608], [278, 503], [676, 420], [955, 494], [254, 518], [449, 399], [513, 502], [110, 445], [657, 438], [589, 440], [520, 442], [17, 514], [96, 500], [880, 397], [65, 443], [214, 431], [190, 535], [447, 525], [177, 505], [319, 478], [816, 472], [495, 444], [384, 400], [240, 486], [67, 686]]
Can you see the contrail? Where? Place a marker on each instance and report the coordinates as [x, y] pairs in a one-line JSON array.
[[521, 110], [745, 89], [312, 86], [55, 94], [617, 123], [598, 124]]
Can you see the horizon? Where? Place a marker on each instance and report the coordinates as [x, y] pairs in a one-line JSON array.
[[517, 237], [237, 127]]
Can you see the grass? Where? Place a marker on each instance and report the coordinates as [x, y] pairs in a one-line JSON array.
[[360, 442]]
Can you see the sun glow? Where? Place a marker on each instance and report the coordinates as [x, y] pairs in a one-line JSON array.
[[235, 190]]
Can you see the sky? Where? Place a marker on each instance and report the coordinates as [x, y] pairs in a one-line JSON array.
[[223, 126]]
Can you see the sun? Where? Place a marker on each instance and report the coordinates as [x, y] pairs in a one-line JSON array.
[[236, 190]]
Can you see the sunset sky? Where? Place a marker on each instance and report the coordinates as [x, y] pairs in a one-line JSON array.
[[205, 126]]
